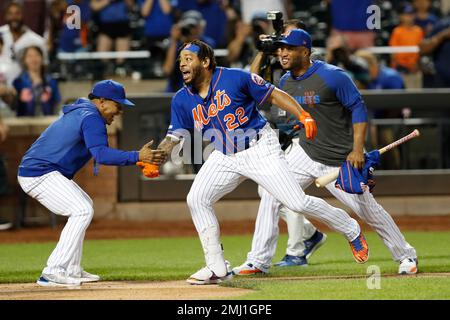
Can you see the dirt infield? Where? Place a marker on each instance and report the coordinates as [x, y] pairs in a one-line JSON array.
[[119, 290], [115, 229], [148, 290]]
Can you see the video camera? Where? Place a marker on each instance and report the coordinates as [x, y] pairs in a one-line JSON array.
[[268, 45]]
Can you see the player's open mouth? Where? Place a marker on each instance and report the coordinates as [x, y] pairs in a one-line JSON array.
[[186, 74], [284, 61]]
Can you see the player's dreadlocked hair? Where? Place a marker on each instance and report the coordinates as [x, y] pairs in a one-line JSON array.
[[205, 52]]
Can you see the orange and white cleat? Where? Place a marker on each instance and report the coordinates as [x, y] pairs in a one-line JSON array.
[[408, 266], [360, 248], [247, 269]]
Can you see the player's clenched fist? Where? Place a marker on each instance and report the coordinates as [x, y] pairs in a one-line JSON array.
[[147, 154], [309, 123]]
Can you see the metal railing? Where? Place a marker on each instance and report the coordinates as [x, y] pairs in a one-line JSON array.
[[141, 62]]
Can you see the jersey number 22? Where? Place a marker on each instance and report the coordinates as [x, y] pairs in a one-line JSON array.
[[230, 119]]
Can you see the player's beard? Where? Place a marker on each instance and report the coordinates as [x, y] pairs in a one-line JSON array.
[[196, 76]]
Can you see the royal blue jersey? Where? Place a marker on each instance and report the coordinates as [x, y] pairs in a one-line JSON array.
[[157, 23], [71, 141], [387, 78], [114, 12], [441, 53], [350, 15], [229, 116]]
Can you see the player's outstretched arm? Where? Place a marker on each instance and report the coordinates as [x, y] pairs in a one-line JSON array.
[[288, 103], [285, 102]]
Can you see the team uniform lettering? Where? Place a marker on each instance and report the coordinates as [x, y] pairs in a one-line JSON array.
[[222, 101]]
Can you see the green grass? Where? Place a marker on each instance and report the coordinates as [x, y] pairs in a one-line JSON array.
[[177, 258], [409, 288]]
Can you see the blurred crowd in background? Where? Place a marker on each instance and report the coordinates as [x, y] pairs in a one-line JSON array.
[[161, 26]]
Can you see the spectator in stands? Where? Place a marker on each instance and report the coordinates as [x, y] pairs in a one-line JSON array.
[[17, 36], [242, 48], [6, 95], [423, 17], [191, 26], [4, 224], [437, 44], [253, 23], [382, 77], [158, 23], [216, 13], [250, 8], [114, 28], [349, 19], [37, 91], [7, 91], [61, 37], [339, 55], [3, 127], [56, 14], [407, 34], [8, 69], [445, 7]]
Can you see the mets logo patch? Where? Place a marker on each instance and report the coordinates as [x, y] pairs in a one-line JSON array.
[[258, 80]]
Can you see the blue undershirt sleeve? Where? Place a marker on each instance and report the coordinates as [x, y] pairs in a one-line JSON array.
[[347, 94], [359, 111], [109, 156], [96, 140]]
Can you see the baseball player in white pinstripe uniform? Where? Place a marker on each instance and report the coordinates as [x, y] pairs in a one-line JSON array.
[[331, 97], [47, 169], [225, 101]]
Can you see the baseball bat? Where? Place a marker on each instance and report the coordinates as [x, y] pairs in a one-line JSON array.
[[330, 177]]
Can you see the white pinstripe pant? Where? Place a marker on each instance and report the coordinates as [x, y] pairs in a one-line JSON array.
[[64, 197], [265, 164], [306, 171]]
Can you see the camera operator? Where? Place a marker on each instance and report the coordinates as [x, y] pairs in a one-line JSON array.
[[242, 48], [190, 26], [266, 62], [339, 54]]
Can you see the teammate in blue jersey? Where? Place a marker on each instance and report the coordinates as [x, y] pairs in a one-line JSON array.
[[223, 103], [329, 94], [47, 169]]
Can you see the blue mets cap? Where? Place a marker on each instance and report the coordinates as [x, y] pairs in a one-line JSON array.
[[296, 38], [112, 90]]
